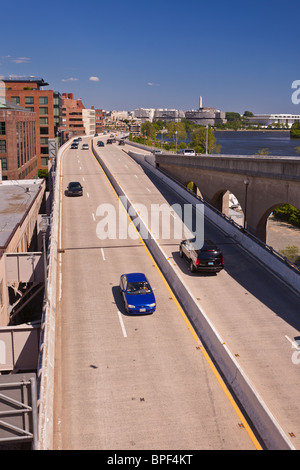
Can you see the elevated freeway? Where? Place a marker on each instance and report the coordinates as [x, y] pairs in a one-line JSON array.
[[126, 382]]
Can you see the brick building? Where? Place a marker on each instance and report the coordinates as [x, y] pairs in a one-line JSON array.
[[98, 120], [17, 142], [30, 94], [72, 122]]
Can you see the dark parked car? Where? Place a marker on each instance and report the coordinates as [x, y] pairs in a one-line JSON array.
[[209, 258], [109, 141], [100, 143], [137, 293], [74, 189], [121, 142], [74, 145]]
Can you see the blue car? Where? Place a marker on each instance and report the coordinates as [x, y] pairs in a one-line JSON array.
[[137, 293]]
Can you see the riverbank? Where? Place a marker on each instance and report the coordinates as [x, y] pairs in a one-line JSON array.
[[251, 130]]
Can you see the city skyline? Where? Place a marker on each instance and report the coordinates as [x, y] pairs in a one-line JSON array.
[[159, 55]]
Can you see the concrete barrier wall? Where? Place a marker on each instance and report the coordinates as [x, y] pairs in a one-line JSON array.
[[46, 363], [266, 425]]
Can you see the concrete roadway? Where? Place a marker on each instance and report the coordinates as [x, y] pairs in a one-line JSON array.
[[255, 314], [127, 382]]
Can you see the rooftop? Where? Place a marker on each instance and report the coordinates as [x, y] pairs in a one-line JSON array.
[[16, 198], [31, 79]]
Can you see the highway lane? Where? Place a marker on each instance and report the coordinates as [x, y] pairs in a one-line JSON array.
[[126, 382], [254, 313]]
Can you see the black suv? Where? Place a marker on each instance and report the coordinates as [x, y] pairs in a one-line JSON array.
[[74, 189], [209, 258]]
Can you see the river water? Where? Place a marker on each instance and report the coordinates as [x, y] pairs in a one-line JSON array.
[[278, 143]]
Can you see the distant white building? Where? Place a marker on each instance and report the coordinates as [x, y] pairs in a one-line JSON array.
[[271, 119], [89, 121], [206, 116], [144, 114], [168, 115]]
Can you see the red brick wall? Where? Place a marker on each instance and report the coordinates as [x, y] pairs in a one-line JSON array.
[[20, 144], [17, 89]]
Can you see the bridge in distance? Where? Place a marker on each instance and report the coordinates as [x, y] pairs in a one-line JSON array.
[[146, 382]]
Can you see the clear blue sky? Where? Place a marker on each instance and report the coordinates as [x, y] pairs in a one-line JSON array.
[[238, 55]]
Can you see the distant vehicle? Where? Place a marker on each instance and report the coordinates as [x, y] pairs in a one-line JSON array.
[[109, 141], [95, 135], [79, 138], [74, 145], [137, 293], [156, 151], [85, 147], [187, 152], [100, 143], [121, 142], [209, 258], [74, 189]]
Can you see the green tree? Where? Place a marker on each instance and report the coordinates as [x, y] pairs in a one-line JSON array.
[[248, 114], [288, 213], [198, 142], [148, 129], [295, 131], [179, 127]]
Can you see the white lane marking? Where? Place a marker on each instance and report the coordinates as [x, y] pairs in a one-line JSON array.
[[135, 176], [148, 190], [83, 178], [294, 344], [87, 194], [102, 253], [93, 215], [122, 324]]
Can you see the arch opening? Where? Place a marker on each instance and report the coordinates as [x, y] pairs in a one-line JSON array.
[[191, 185], [282, 226]]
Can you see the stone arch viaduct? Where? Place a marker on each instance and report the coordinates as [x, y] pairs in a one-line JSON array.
[[260, 183]]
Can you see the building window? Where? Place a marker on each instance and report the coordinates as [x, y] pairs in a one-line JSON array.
[[2, 128], [43, 100], [2, 146], [44, 161], [44, 130], [43, 120], [44, 110], [29, 100], [3, 163], [15, 99], [44, 150], [30, 108], [44, 141]]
